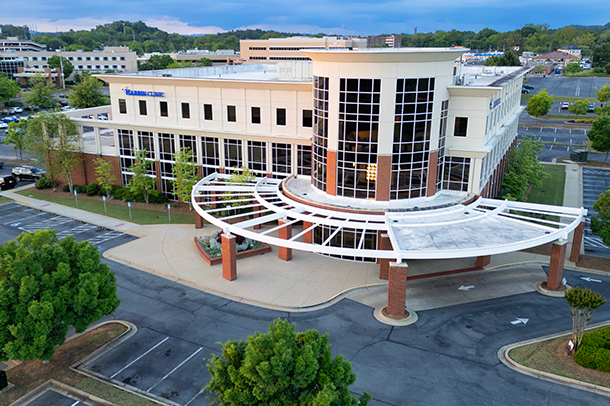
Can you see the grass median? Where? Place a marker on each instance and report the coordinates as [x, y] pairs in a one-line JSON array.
[[115, 209], [552, 189]]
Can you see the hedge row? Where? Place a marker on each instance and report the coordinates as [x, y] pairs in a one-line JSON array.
[[594, 352]]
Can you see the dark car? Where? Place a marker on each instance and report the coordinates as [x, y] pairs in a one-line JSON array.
[[591, 108], [1, 164], [529, 87], [28, 173], [7, 182], [524, 90]]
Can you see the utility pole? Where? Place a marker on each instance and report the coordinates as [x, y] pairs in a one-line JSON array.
[[61, 68]]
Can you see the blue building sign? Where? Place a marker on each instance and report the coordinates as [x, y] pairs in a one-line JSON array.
[[130, 92], [496, 103]]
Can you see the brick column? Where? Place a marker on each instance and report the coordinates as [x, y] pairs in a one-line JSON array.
[[308, 236], [432, 173], [198, 218], [285, 233], [577, 242], [331, 173], [383, 178], [397, 290], [558, 256], [229, 257], [384, 264], [483, 261]]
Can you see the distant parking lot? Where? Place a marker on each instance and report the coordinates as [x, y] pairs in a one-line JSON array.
[[594, 183], [567, 86], [570, 139]]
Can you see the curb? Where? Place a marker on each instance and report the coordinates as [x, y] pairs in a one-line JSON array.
[[503, 355]]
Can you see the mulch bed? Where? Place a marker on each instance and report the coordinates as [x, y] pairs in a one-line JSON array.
[[566, 358]]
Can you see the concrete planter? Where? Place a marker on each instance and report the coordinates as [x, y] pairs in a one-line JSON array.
[[243, 254]]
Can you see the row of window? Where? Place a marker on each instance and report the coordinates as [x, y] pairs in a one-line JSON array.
[[280, 113], [80, 58], [80, 67]]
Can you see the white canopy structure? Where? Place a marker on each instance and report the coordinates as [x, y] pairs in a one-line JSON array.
[[447, 225]]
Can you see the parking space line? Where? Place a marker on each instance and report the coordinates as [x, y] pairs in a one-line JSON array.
[[25, 218], [105, 237], [137, 359], [75, 403], [77, 230], [174, 370], [193, 398]]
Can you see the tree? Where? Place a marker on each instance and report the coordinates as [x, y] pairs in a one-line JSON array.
[[8, 89], [54, 137], [86, 93], [54, 62], [603, 96], [539, 104], [583, 303], [140, 181], [46, 285], [579, 107], [599, 134], [105, 175], [17, 135], [282, 367], [601, 55], [573, 68], [524, 169], [156, 62], [185, 172], [42, 95]]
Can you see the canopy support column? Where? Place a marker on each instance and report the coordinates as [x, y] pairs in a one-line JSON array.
[[384, 264], [558, 256], [577, 242], [229, 257], [285, 233], [397, 290]]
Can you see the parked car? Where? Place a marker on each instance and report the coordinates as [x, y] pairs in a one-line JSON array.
[[102, 117], [7, 182], [591, 108], [9, 119], [1, 164], [565, 105], [529, 87], [524, 90], [28, 172], [32, 108], [63, 103], [3, 125], [17, 109]]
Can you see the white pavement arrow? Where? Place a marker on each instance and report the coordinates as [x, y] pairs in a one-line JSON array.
[[586, 278], [466, 287], [524, 321]]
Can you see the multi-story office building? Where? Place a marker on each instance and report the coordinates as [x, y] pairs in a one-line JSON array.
[[289, 49], [17, 45]]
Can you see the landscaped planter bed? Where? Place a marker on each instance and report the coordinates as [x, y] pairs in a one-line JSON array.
[[243, 254]]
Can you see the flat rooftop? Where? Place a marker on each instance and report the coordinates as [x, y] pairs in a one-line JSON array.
[[491, 76]]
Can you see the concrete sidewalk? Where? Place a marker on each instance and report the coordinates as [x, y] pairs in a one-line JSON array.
[[310, 281]]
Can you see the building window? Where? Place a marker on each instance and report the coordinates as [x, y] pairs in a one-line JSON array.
[[442, 137], [281, 160], [167, 150], [146, 142], [257, 157], [359, 101], [461, 126], [456, 172], [142, 104], [411, 146], [256, 115], [233, 157], [280, 116], [163, 109], [320, 131], [126, 154], [122, 106], [189, 141], [210, 156], [88, 58], [186, 111], [347, 238], [122, 58], [307, 118], [304, 160], [231, 114], [207, 112]]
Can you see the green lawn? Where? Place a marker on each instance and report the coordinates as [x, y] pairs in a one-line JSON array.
[[116, 209], [5, 200], [552, 188]]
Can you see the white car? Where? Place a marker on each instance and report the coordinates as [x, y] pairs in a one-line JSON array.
[[3, 124], [17, 109]]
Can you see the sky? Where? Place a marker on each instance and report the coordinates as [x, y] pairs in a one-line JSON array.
[[355, 17]]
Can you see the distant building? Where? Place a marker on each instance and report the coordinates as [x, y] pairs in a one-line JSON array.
[[571, 49], [289, 49], [392, 41], [10, 66], [53, 76], [559, 58], [15, 44]]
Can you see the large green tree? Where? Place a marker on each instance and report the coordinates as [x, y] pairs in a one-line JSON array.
[[524, 170], [185, 173], [58, 62], [86, 93], [603, 96], [282, 367], [140, 180], [573, 68], [601, 55], [17, 135], [46, 285], [55, 138], [579, 107], [8, 89], [156, 62], [539, 104], [600, 222], [599, 134], [41, 95]]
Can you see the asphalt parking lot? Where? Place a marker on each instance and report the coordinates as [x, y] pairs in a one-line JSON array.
[[567, 86], [594, 183], [15, 219], [570, 138], [52, 398]]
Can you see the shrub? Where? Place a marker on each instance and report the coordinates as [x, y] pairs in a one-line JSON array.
[[212, 244], [79, 189], [154, 196], [92, 189], [117, 192], [594, 352], [65, 188], [43, 183]]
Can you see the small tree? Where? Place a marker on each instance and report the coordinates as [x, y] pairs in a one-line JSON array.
[[105, 175], [185, 172], [599, 134], [8, 89], [524, 169], [240, 176], [54, 62], [579, 107], [17, 135], [141, 181], [583, 303], [603, 96], [42, 95], [86, 93], [573, 68], [600, 224], [539, 104], [46, 285], [282, 367]]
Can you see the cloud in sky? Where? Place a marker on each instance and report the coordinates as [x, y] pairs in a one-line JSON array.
[[313, 16]]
